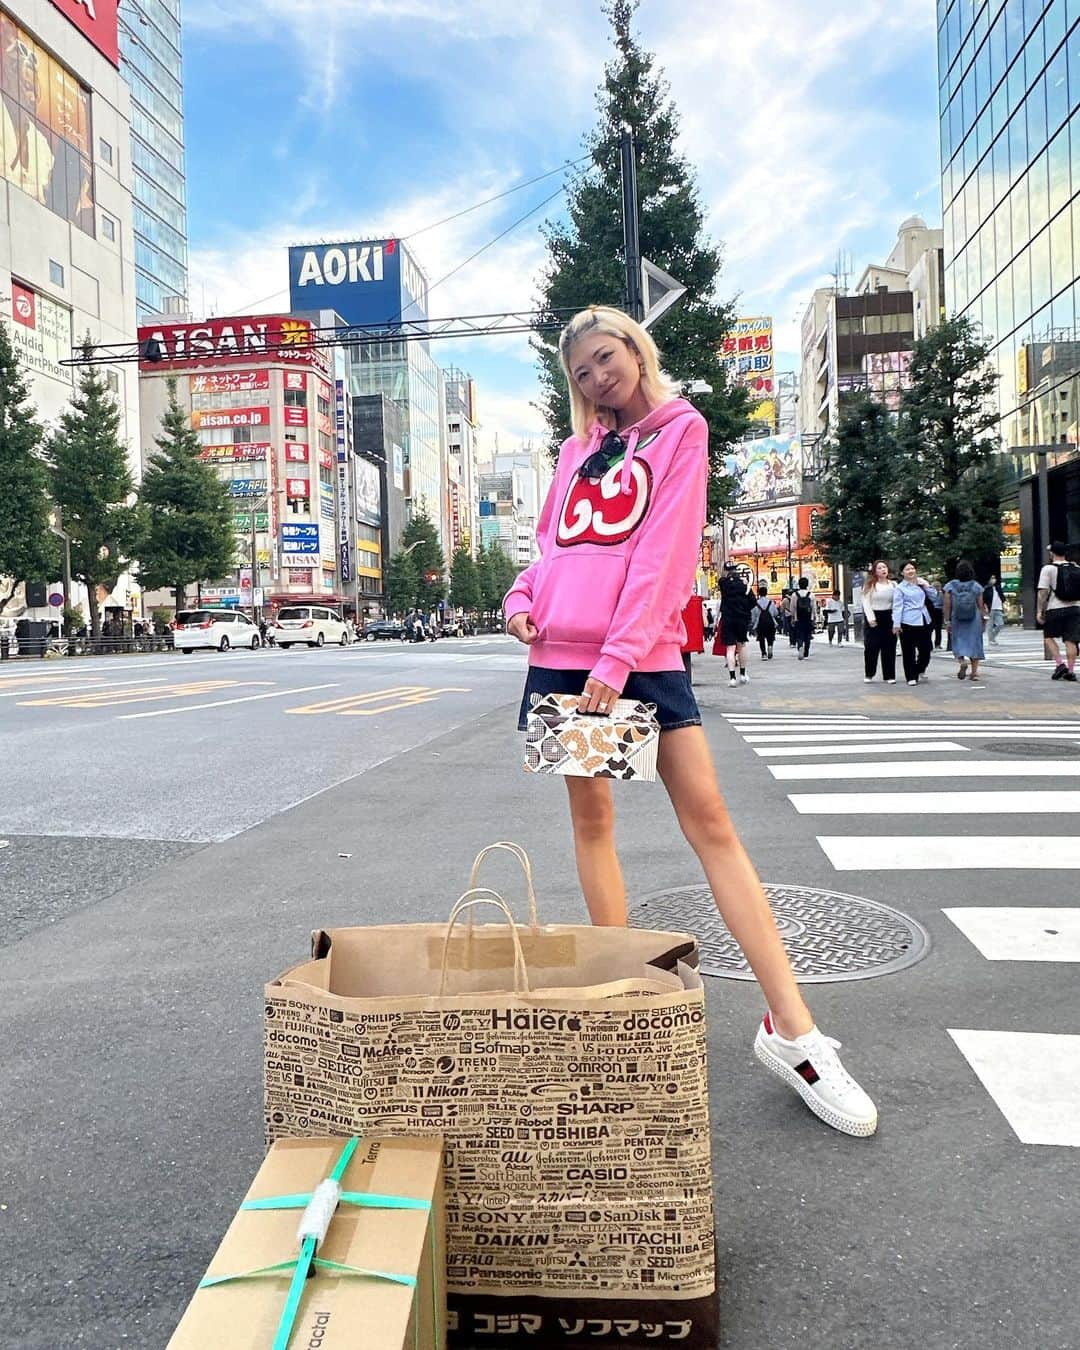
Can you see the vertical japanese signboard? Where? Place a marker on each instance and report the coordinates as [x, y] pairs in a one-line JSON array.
[[747, 354]]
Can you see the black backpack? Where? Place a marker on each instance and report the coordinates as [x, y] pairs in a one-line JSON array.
[[803, 608], [1067, 585]]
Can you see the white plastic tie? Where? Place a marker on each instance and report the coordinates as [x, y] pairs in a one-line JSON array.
[[315, 1219]]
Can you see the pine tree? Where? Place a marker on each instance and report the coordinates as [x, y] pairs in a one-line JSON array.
[[401, 583], [946, 420], [464, 583], [586, 261], [428, 560], [187, 526], [28, 550], [491, 564], [93, 485], [856, 526]]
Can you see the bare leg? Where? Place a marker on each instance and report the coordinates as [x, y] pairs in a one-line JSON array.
[[974, 668], [592, 814], [687, 770], [1051, 649], [1071, 653]]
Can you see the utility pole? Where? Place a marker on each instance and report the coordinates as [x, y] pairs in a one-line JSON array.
[[635, 305]]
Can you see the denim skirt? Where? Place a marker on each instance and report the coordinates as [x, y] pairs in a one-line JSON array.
[[670, 690]]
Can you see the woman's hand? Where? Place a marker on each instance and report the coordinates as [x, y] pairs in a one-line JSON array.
[[597, 697], [523, 628], [896, 630]]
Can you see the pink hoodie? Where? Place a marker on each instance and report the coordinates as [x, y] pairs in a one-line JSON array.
[[619, 554]]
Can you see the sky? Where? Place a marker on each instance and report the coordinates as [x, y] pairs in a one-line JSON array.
[[811, 129]]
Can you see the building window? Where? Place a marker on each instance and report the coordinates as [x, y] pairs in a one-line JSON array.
[[295, 398], [108, 227], [113, 380], [106, 151], [56, 273]]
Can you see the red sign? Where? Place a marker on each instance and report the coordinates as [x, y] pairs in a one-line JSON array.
[[276, 338], [295, 417], [296, 454], [326, 459], [228, 381], [299, 576], [295, 380], [230, 417], [96, 20], [23, 305], [297, 487]]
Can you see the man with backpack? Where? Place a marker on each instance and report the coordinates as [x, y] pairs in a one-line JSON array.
[[1058, 610], [736, 602], [804, 606]]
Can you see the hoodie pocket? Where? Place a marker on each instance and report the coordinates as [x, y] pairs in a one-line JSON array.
[[576, 595]]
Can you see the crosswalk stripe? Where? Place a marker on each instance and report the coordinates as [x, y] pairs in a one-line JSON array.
[[876, 748], [936, 803], [950, 853], [1033, 1077], [1020, 934], [834, 737], [930, 768], [909, 724]]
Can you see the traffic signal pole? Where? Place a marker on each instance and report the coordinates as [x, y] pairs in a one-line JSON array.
[[635, 305]]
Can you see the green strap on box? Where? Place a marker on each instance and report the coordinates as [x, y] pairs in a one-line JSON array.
[[307, 1261]]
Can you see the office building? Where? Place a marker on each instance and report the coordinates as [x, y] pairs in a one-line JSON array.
[[860, 341], [461, 464], [149, 33], [1009, 104]]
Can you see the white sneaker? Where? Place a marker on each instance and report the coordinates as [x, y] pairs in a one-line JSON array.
[[744, 677], [812, 1067], [868, 679]]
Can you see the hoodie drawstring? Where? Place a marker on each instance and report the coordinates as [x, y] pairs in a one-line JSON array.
[[625, 478]]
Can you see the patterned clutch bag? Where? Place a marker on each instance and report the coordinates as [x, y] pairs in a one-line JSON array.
[[560, 740]]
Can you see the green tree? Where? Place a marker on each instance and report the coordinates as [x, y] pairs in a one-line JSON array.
[[428, 559], [464, 583], [187, 530], [401, 582], [93, 486], [491, 566], [947, 447], [586, 263], [28, 550], [856, 526]]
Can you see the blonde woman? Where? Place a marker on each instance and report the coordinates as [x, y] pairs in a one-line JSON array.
[[879, 640], [620, 535]]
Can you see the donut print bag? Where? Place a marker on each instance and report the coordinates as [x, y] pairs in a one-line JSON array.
[[622, 745]]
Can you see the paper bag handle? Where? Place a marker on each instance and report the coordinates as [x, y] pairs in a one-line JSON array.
[[482, 896], [526, 866]]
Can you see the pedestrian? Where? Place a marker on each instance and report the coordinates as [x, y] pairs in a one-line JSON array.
[[736, 602], [805, 608], [787, 605], [1058, 610], [693, 618], [763, 622], [911, 623], [834, 618], [603, 622], [935, 603], [994, 600], [879, 640], [964, 614]]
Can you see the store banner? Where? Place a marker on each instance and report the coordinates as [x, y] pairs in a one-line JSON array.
[[248, 452], [209, 419], [295, 417], [295, 453], [761, 530], [41, 333], [221, 342], [229, 381], [297, 488], [747, 355], [769, 469]]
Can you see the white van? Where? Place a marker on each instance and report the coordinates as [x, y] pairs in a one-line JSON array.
[[218, 629], [314, 624]]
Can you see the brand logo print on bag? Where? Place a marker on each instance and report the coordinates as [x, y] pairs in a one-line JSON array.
[[597, 511]]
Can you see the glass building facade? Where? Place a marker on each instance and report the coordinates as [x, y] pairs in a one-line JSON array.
[[150, 48], [1009, 102]]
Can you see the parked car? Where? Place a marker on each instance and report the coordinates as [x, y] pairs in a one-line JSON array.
[[383, 629], [219, 629], [315, 625]]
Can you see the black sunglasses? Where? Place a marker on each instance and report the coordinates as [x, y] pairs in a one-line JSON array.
[[599, 461]]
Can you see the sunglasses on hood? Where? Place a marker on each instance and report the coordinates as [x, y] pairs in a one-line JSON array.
[[598, 463]]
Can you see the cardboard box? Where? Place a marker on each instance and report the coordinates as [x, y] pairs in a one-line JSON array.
[[337, 1310]]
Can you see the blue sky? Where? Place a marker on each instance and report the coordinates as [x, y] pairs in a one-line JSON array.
[[812, 129]]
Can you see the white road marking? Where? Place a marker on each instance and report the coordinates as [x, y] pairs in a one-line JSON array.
[[1028, 934], [936, 803], [1034, 1079], [961, 733], [951, 853], [222, 703], [98, 686], [876, 748], [931, 768]]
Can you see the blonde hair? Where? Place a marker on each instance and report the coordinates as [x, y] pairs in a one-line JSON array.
[[605, 320]]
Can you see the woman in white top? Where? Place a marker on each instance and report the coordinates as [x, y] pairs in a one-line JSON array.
[[879, 640]]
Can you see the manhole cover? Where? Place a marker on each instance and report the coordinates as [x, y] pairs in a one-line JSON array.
[[1035, 749], [828, 936]]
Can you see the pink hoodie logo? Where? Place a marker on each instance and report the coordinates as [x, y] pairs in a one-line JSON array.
[[597, 511]]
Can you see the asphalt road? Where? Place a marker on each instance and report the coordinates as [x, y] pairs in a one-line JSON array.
[[158, 870]]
